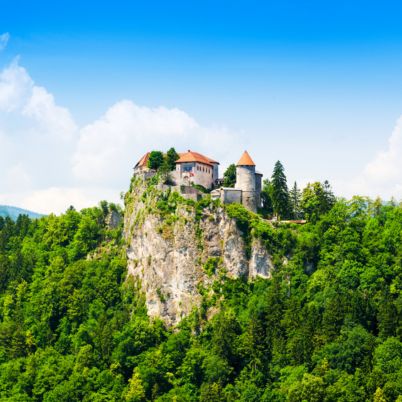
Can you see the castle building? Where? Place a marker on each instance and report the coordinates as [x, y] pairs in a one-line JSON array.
[[192, 168], [195, 168], [247, 190], [142, 164]]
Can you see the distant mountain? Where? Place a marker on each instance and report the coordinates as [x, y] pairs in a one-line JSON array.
[[13, 212]]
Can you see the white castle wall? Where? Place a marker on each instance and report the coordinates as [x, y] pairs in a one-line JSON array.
[[196, 173], [245, 181]]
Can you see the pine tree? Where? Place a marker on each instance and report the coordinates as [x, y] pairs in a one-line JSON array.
[[295, 198], [329, 196], [171, 158], [280, 193]]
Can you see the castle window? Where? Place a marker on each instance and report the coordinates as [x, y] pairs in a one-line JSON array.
[[188, 167]]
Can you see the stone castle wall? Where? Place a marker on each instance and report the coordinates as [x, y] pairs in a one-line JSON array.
[[245, 181]]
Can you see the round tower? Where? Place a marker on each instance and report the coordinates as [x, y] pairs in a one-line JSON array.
[[245, 181]]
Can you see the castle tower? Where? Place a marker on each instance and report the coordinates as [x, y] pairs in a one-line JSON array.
[[246, 181]]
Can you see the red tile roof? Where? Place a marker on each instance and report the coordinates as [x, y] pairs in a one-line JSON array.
[[245, 160], [191, 156], [143, 162]]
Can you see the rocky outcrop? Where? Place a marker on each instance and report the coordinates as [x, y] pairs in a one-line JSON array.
[[173, 254]]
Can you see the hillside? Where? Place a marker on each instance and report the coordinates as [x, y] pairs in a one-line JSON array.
[[14, 212], [178, 247], [324, 323]]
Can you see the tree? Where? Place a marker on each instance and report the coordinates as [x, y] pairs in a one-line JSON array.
[[329, 196], [135, 391], [295, 198], [266, 200], [326, 326], [171, 158], [229, 177], [280, 193], [379, 396], [316, 200], [155, 160]]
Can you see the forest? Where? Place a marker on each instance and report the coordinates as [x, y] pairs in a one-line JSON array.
[[326, 327]]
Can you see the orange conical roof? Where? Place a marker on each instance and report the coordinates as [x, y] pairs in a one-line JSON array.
[[245, 160]]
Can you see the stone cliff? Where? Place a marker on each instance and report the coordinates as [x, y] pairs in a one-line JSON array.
[[176, 246]]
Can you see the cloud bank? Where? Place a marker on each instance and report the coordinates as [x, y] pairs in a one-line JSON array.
[[51, 163]]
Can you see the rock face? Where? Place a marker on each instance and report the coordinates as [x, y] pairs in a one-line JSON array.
[[173, 254]]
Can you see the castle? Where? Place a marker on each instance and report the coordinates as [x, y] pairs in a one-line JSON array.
[[193, 168], [247, 190]]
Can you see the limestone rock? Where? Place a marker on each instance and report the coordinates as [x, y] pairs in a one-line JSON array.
[[168, 256]]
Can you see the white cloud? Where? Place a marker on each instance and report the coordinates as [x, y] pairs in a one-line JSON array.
[[387, 165], [36, 135], [382, 176], [15, 87], [58, 199], [17, 177], [108, 148], [4, 38], [110, 145], [50, 163], [20, 95], [55, 120]]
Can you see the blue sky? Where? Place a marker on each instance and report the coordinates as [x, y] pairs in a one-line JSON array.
[[315, 84]]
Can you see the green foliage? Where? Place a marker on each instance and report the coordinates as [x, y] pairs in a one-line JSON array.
[[295, 202], [326, 327], [317, 199], [279, 193], [171, 158], [155, 160], [164, 163], [229, 176], [200, 188], [211, 265], [253, 227], [266, 199]]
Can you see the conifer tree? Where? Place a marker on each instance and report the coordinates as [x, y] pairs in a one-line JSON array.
[[329, 196], [171, 158], [295, 198], [280, 192]]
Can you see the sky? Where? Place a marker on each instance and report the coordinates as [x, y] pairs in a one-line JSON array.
[[86, 89]]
